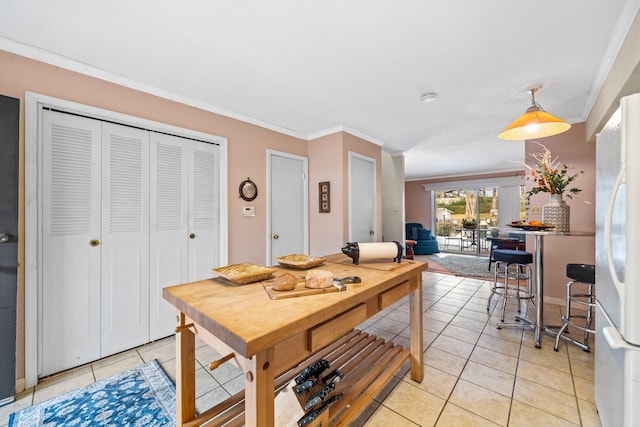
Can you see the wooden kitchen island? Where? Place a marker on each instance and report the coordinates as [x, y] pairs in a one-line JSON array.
[[271, 340]]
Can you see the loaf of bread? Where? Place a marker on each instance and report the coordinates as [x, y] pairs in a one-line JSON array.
[[285, 282], [318, 279]]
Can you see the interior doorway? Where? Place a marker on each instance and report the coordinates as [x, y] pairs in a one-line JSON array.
[[287, 223], [9, 142], [362, 199]]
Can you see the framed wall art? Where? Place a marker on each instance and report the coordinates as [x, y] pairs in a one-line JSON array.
[[324, 191]]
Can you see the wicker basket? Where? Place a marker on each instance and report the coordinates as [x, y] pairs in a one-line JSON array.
[[244, 273], [299, 261]]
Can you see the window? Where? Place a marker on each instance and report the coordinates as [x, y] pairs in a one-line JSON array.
[[467, 212]]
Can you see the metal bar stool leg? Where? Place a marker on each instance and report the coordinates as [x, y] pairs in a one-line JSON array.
[[583, 274], [565, 323], [516, 271]]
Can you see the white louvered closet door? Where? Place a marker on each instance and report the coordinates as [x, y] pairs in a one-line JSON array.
[[204, 210], [125, 238], [125, 213], [69, 329], [185, 209], [169, 248]]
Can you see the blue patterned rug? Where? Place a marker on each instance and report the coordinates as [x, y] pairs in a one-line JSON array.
[[142, 396]]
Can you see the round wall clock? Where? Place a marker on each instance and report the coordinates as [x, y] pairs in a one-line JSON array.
[[248, 190]]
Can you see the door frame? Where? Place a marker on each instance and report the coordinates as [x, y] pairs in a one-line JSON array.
[[354, 155], [305, 201], [34, 105], [9, 213]]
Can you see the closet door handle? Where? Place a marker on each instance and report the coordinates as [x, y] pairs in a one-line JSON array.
[[94, 242], [192, 236]]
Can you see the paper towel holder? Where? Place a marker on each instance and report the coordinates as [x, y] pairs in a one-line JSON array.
[[376, 250]]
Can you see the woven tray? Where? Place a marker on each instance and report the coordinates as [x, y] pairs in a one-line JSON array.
[[300, 261], [244, 273]]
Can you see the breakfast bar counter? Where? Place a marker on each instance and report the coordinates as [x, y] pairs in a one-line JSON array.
[[266, 337]]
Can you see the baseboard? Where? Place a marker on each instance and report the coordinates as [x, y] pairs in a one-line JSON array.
[[556, 301]]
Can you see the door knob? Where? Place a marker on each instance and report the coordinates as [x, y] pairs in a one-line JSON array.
[[371, 232], [4, 237], [94, 242], [276, 237], [192, 236]]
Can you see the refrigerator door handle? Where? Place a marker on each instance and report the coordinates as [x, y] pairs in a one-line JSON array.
[[611, 334], [616, 341], [621, 178]]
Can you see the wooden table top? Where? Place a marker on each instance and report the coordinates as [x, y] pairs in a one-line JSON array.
[[245, 318]]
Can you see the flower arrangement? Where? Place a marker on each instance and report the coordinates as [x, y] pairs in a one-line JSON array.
[[550, 175]]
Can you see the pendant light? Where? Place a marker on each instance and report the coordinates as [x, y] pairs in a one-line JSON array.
[[534, 123]]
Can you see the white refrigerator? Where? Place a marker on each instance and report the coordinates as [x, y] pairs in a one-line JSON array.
[[617, 358]]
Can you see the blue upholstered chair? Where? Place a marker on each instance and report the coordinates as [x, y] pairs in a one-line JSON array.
[[426, 243]]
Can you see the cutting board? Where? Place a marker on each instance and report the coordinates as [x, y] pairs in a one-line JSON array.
[[299, 291], [375, 264]]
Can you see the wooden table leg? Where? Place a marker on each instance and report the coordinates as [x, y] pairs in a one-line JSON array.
[[415, 328], [185, 373], [259, 390]]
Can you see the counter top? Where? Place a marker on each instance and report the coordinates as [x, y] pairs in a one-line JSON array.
[[249, 321]]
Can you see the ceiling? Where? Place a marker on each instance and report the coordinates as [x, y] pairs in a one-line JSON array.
[[311, 68]]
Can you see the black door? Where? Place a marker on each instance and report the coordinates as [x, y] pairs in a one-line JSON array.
[[9, 123]]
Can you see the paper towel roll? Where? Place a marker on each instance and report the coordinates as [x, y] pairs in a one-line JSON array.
[[378, 250], [358, 251]]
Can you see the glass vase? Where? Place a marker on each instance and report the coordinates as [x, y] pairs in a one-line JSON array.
[[556, 213]]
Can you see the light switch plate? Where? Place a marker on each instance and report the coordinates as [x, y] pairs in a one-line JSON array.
[[248, 211]]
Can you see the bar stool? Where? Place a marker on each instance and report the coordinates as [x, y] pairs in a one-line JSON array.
[[511, 268], [501, 243], [580, 274]]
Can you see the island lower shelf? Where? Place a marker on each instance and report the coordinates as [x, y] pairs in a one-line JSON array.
[[367, 362]]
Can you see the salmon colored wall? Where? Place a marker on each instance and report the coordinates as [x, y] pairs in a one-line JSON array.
[[247, 157], [417, 204], [325, 164], [247, 145], [572, 148]]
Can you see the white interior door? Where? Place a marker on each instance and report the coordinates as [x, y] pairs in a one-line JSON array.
[[69, 330], [204, 209], [288, 201], [168, 242], [124, 238], [362, 198], [184, 220]]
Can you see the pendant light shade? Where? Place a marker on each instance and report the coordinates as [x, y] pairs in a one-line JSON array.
[[534, 123]]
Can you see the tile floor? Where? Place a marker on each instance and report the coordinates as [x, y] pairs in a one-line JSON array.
[[475, 374]]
